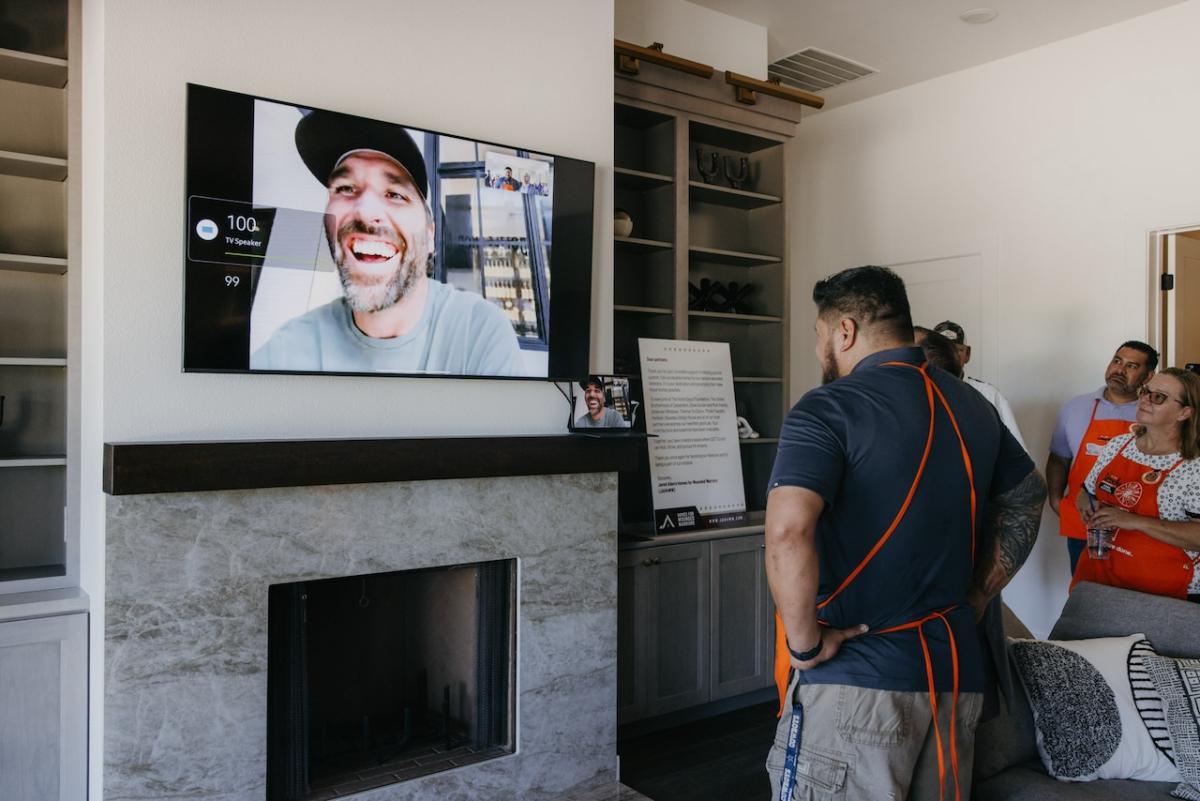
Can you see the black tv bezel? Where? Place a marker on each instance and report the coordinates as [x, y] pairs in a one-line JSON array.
[[579, 280]]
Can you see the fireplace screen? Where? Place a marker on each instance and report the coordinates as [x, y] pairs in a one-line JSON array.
[[386, 677]]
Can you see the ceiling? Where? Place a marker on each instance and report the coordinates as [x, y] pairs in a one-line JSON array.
[[909, 41]]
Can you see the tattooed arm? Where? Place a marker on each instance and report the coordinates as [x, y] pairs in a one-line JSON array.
[[1009, 531]]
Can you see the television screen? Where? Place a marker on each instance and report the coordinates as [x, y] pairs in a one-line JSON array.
[[321, 242]]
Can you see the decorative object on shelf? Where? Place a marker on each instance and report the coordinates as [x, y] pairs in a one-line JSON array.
[[746, 89], [700, 297], [708, 166], [737, 172], [745, 430], [622, 223], [714, 296], [630, 56], [736, 296]]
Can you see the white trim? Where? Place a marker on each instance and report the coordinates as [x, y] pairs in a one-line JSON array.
[[1154, 246]]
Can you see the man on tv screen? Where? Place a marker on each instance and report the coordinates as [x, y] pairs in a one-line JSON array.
[[391, 317]]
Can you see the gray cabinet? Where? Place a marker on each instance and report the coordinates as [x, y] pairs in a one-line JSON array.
[[663, 632], [743, 618], [631, 661], [43, 695], [694, 624]]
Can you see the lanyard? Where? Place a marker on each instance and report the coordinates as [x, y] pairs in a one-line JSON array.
[[787, 782]]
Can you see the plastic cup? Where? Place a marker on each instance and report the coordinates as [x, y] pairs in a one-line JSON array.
[[1099, 542]]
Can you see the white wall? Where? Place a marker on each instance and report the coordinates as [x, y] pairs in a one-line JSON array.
[[91, 435], [1052, 165], [695, 32], [426, 64]]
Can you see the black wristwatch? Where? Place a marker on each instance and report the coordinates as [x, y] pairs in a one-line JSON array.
[[811, 653]]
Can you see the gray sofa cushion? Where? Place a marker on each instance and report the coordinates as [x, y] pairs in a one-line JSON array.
[[1097, 610], [1028, 782]]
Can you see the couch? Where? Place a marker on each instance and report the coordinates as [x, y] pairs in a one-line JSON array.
[[1007, 767]]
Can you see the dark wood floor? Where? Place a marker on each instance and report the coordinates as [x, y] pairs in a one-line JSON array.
[[717, 759]]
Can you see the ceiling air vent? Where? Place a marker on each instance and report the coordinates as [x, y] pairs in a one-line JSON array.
[[815, 70]]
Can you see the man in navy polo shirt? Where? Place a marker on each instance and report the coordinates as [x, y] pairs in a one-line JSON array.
[[898, 507]]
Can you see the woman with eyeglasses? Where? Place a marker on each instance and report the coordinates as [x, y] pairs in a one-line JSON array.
[[1146, 486]]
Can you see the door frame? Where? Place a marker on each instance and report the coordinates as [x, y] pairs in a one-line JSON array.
[[1156, 249]]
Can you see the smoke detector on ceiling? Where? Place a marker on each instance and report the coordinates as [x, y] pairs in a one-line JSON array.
[[815, 70], [978, 16]]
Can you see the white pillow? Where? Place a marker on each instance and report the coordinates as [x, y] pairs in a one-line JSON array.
[[1097, 713], [1178, 682]]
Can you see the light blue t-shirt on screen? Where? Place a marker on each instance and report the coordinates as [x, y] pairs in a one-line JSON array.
[[610, 419], [459, 333]]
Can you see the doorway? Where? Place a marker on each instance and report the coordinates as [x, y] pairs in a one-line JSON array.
[[1175, 294]]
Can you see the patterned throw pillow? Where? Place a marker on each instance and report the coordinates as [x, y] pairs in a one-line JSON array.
[[1095, 708], [1178, 682]]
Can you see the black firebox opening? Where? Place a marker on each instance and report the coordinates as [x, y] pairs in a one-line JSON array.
[[380, 678]]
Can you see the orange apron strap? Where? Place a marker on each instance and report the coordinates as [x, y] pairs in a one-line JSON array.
[[912, 490], [953, 706], [966, 457], [929, 677], [937, 729], [783, 662]]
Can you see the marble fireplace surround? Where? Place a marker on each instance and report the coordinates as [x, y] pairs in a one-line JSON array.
[[197, 531]]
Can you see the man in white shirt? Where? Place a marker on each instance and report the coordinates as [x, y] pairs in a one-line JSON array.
[[954, 332]]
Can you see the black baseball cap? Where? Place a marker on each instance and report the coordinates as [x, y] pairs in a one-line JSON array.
[[592, 379], [951, 331], [324, 138]]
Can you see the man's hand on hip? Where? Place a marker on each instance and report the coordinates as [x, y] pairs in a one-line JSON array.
[[831, 643]]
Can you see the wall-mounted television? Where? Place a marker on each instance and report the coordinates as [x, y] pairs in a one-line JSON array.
[[323, 242]]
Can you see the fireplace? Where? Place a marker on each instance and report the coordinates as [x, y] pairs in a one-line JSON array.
[[382, 678], [197, 533]]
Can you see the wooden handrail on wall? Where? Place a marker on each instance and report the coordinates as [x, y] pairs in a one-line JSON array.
[[629, 55], [745, 88]]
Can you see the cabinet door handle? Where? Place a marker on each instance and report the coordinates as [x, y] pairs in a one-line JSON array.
[[654, 561], [647, 562]]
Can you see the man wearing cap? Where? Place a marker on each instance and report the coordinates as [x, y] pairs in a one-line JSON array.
[[598, 415], [1084, 426], [954, 332], [391, 317]]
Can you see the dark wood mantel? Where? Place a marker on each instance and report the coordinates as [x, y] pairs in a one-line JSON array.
[[132, 468]]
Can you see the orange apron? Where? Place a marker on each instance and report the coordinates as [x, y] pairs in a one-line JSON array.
[[1137, 561], [783, 661], [1097, 435]]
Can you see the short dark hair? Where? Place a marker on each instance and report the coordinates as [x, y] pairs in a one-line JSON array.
[[1142, 347], [871, 296], [939, 351]]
